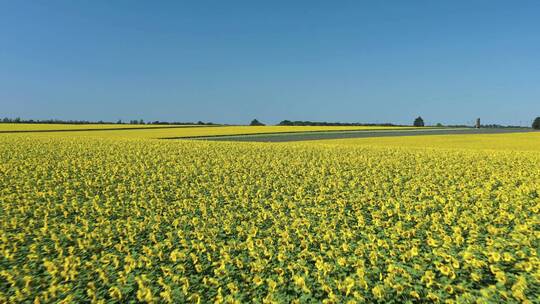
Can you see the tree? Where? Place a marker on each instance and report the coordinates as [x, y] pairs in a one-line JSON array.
[[286, 123], [418, 122], [536, 123], [255, 122]]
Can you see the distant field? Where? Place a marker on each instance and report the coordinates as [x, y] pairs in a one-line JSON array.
[[527, 141], [326, 135], [184, 132]]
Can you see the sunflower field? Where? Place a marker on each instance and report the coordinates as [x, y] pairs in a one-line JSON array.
[[120, 220]]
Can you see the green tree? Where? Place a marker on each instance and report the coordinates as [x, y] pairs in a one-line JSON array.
[[418, 122], [286, 123], [255, 122], [536, 123]]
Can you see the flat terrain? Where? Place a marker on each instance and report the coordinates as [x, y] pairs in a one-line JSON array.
[[125, 217], [167, 132], [309, 136], [511, 142]]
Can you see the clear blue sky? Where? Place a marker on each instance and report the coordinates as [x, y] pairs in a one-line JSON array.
[[231, 61]]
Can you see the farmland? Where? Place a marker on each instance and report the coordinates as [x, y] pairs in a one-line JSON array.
[[188, 131], [349, 134], [118, 216]]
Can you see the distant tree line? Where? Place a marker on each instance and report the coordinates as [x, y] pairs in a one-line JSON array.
[[324, 123], [418, 122], [497, 126], [81, 122], [454, 126], [157, 122]]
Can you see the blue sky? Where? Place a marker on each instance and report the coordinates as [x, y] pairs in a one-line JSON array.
[[231, 61]]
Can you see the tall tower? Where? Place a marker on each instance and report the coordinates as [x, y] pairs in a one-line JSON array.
[[477, 123]]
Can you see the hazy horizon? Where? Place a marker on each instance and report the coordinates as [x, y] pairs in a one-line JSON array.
[[230, 62]]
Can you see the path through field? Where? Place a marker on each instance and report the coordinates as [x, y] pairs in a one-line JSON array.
[[304, 136]]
